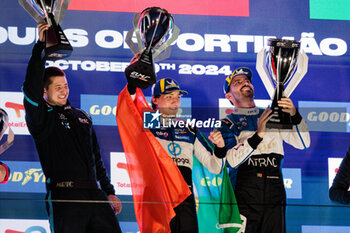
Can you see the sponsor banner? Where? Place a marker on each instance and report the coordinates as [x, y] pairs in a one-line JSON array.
[[226, 108], [43, 226], [207, 68], [12, 102], [324, 229], [119, 174], [102, 108], [24, 226], [333, 167], [330, 9], [105, 43], [292, 182], [189, 7], [26, 177], [129, 227], [326, 116]]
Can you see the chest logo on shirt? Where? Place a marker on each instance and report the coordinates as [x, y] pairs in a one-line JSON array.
[[242, 123], [64, 120], [182, 137], [83, 121], [174, 149], [262, 162], [163, 134]]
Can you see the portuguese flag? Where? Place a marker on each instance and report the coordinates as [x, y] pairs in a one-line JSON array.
[[217, 209]]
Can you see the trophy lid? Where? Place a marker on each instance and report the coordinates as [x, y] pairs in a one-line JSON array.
[[288, 44]]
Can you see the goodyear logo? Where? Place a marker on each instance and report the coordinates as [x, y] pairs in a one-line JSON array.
[[103, 108], [25, 177], [291, 178], [292, 182], [326, 116]]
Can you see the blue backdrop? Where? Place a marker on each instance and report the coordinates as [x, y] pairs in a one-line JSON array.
[[207, 49]]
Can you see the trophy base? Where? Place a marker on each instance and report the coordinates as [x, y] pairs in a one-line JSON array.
[[275, 125], [279, 119], [141, 72], [58, 51]]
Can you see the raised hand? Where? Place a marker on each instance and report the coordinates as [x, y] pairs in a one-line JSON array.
[[263, 119], [216, 138], [42, 28], [287, 106]]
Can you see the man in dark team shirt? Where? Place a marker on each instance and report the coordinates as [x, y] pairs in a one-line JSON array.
[[340, 191], [80, 197]]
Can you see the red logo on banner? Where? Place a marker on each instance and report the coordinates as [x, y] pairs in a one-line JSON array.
[[186, 7], [16, 107]]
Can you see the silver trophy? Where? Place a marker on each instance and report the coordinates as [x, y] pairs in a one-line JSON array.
[[52, 12], [155, 31], [281, 67], [3, 127]]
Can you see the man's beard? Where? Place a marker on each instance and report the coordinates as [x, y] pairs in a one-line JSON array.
[[247, 94]]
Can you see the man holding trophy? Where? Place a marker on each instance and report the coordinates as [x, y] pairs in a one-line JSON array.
[[80, 197], [161, 157], [258, 135]]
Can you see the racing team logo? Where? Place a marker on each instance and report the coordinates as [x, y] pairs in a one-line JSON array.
[[174, 149]]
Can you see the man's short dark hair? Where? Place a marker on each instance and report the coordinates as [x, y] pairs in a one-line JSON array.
[[51, 72]]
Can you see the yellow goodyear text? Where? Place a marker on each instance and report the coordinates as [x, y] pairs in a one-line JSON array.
[[103, 110], [31, 175], [208, 181]]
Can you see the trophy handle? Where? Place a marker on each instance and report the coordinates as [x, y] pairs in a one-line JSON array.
[[163, 55], [167, 44], [61, 9], [128, 40], [299, 73], [262, 70], [29, 8], [137, 32]]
